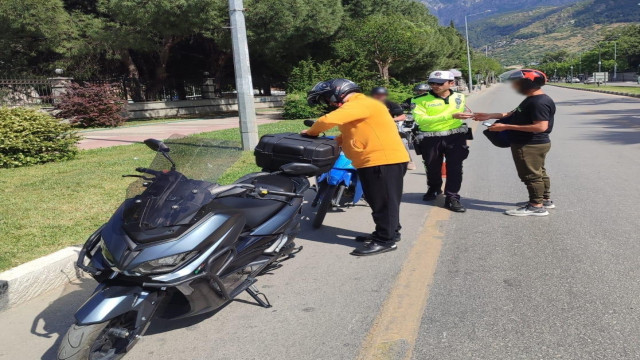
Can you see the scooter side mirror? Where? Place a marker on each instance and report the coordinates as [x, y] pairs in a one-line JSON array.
[[309, 123], [157, 145]]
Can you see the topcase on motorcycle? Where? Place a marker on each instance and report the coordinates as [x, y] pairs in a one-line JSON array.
[[276, 150]]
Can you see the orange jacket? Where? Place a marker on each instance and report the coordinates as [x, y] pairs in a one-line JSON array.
[[369, 136]]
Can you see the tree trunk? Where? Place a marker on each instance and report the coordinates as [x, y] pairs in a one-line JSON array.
[[161, 68], [220, 63], [131, 87], [383, 68], [266, 86]]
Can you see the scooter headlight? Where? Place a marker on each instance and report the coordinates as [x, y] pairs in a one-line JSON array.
[[165, 264], [106, 254]]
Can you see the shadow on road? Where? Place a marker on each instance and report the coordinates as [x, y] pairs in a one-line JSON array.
[[58, 316], [469, 203], [590, 101]]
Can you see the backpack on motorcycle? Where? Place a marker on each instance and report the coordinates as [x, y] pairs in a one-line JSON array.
[[275, 150]]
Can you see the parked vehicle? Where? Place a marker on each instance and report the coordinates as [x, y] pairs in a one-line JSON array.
[[182, 245], [590, 80], [575, 80], [338, 187], [406, 129]]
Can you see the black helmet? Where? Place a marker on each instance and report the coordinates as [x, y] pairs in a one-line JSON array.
[[529, 79], [379, 90], [421, 87], [329, 91]]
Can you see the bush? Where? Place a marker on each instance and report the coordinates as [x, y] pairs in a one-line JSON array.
[[29, 137], [296, 107], [91, 105], [308, 72]]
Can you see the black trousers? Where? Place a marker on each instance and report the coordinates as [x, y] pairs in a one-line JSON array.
[[454, 148], [382, 187]]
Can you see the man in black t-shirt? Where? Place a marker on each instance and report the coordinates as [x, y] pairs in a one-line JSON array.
[[381, 93], [529, 127]]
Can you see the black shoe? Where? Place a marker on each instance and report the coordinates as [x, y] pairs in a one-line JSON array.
[[431, 194], [370, 238], [374, 248], [454, 205]]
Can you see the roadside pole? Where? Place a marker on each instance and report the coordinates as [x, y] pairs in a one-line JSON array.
[[466, 27], [244, 84]]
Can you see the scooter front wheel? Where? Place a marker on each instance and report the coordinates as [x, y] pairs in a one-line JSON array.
[[326, 200], [109, 340]]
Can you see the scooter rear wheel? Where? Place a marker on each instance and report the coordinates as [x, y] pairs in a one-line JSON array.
[[326, 201]]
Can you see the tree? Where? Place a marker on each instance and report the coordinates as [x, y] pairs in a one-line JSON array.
[[32, 34], [384, 39], [629, 45], [156, 27], [283, 32]]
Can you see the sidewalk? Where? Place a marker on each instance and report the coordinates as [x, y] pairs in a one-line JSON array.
[[100, 138]]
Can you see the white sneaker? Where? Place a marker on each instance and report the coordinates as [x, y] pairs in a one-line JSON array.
[[528, 210], [546, 203]]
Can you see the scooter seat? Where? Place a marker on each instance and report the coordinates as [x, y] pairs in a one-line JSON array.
[[270, 182], [258, 211]]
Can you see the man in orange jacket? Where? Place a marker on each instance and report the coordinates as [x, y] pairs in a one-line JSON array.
[[369, 138]]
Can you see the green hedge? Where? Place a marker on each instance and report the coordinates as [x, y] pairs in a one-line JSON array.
[[296, 107], [29, 137]]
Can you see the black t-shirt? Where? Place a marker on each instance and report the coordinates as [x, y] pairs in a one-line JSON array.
[[533, 108], [394, 109]]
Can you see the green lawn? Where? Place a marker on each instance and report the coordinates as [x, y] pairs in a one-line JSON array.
[[624, 89], [47, 207]]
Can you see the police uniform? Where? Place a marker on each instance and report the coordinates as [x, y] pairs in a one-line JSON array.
[[442, 136]]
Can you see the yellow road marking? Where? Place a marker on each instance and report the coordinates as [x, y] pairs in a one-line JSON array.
[[394, 332]]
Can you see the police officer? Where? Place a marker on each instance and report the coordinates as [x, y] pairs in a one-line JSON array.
[[418, 90], [439, 115]]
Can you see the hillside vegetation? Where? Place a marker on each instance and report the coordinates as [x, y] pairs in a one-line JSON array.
[[455, 10], [523, 37]]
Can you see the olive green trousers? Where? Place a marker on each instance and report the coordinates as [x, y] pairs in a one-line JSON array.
[[530, 163]]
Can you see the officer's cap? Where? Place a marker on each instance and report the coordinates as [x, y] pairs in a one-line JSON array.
[[441, 76]]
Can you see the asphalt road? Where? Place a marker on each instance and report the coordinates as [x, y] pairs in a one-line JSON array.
[[479, 285]]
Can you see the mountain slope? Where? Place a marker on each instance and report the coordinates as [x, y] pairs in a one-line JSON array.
[[522, 37], [447, 10]]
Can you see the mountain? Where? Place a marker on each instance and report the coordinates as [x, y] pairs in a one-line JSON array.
[[447, 10], [522, 37]]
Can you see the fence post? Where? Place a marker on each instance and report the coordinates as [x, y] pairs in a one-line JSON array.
[[209, 88], [59, 86]]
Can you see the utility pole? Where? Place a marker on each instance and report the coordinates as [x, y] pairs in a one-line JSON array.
[[615, 60], [244, 83], [466, 27]]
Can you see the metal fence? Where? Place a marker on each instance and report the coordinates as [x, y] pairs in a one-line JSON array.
[[27, 92], [45, 91], [138, 91]]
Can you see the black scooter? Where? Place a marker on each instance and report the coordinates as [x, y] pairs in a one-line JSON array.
[[182, 245]]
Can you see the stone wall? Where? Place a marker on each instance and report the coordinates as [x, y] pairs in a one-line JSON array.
[[179, 108]]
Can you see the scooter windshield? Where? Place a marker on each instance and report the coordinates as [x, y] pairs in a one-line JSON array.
[[171, 197]]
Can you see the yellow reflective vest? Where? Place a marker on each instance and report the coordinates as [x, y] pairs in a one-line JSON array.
[[434, 114]]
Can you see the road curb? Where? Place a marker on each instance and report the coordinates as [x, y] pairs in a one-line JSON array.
[[600, 91], [26, 281]]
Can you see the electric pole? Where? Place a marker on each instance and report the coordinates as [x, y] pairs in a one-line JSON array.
[[244, 83], [466, 27]]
